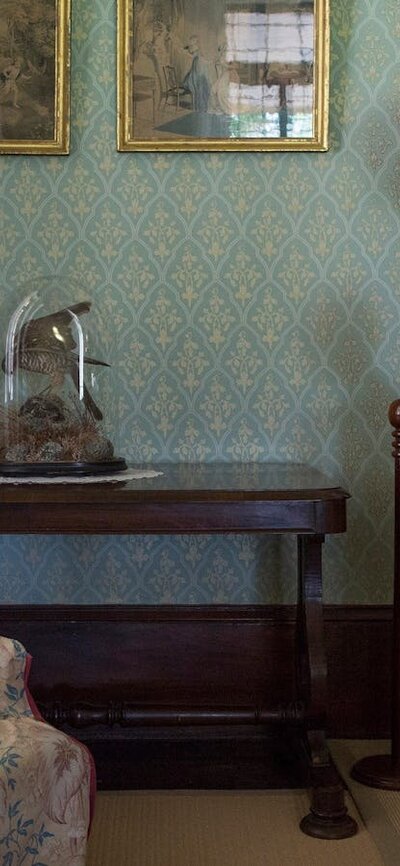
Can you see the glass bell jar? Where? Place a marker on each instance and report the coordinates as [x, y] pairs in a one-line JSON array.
[[56, 411]]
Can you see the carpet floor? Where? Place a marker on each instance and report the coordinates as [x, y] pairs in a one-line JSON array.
[[380, 809], [217, 828]]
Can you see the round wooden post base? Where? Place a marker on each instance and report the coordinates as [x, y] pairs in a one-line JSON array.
[[377, 771], [328, 828]]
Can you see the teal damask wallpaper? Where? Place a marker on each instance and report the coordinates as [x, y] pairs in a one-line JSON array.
[[254, 309]]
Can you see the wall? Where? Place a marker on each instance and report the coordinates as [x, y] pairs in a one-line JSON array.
[[254, 301]]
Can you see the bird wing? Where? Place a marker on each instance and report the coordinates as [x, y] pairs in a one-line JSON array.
[[88, 360], [53, 331]]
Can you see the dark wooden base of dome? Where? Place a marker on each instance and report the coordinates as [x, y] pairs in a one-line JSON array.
[[79, 467]]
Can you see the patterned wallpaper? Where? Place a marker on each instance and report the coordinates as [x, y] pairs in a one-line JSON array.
[[254, 302]]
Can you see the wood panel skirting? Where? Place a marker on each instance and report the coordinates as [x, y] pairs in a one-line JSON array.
[[193, 696], [114, 671]]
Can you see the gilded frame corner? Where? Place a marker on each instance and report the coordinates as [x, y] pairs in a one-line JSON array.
[[35, 82], [133, 101]]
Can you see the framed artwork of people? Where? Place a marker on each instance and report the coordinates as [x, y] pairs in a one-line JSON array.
[[223, 75], [34, 76]]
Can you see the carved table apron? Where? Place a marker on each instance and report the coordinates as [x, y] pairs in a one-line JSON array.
[[218, 498]]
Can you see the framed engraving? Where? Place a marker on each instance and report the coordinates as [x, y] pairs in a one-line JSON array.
[[223, 74], [34, 76]]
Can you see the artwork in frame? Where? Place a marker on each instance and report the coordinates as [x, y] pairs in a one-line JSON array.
[[223, 74], [34, 76]]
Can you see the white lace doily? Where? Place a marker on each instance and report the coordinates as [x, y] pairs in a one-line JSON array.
[[125, 475]]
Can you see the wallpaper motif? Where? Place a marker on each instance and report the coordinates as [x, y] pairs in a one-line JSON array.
[[253, 305]]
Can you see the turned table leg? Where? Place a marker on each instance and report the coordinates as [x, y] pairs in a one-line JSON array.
[[328, 817]]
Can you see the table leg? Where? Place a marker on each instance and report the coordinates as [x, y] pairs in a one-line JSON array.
[[328, 817]]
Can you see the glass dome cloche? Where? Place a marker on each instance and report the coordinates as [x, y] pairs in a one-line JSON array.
[[56, 409]]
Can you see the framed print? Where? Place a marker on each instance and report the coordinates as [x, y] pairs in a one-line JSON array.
[[34, 76], [223, 74]]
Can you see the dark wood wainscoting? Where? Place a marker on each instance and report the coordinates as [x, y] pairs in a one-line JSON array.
[[180, 696]]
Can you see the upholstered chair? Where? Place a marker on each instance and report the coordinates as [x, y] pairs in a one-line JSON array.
[[47, 779]]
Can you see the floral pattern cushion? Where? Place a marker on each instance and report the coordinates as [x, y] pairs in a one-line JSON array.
[[47, 778]]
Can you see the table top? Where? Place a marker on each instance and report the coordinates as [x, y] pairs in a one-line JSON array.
[[190, 481], [213, 497]]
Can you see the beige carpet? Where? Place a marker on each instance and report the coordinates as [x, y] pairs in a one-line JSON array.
[[380, 809], [216, 828]]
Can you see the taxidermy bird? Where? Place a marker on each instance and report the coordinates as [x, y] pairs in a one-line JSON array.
[[46, 345]]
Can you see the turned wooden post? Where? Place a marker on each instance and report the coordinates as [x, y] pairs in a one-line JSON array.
[[383, 771], [394, 418]]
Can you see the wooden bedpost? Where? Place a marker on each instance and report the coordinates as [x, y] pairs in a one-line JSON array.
[[383, 771]]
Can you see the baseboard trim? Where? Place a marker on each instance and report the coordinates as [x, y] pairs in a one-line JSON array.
[[186, 613]]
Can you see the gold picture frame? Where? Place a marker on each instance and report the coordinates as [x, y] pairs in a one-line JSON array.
[[34, 76], [198, 75]]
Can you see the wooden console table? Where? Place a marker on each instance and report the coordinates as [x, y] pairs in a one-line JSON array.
[[221, 498]]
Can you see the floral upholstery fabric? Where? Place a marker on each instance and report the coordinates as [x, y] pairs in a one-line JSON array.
[[46, 777]]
